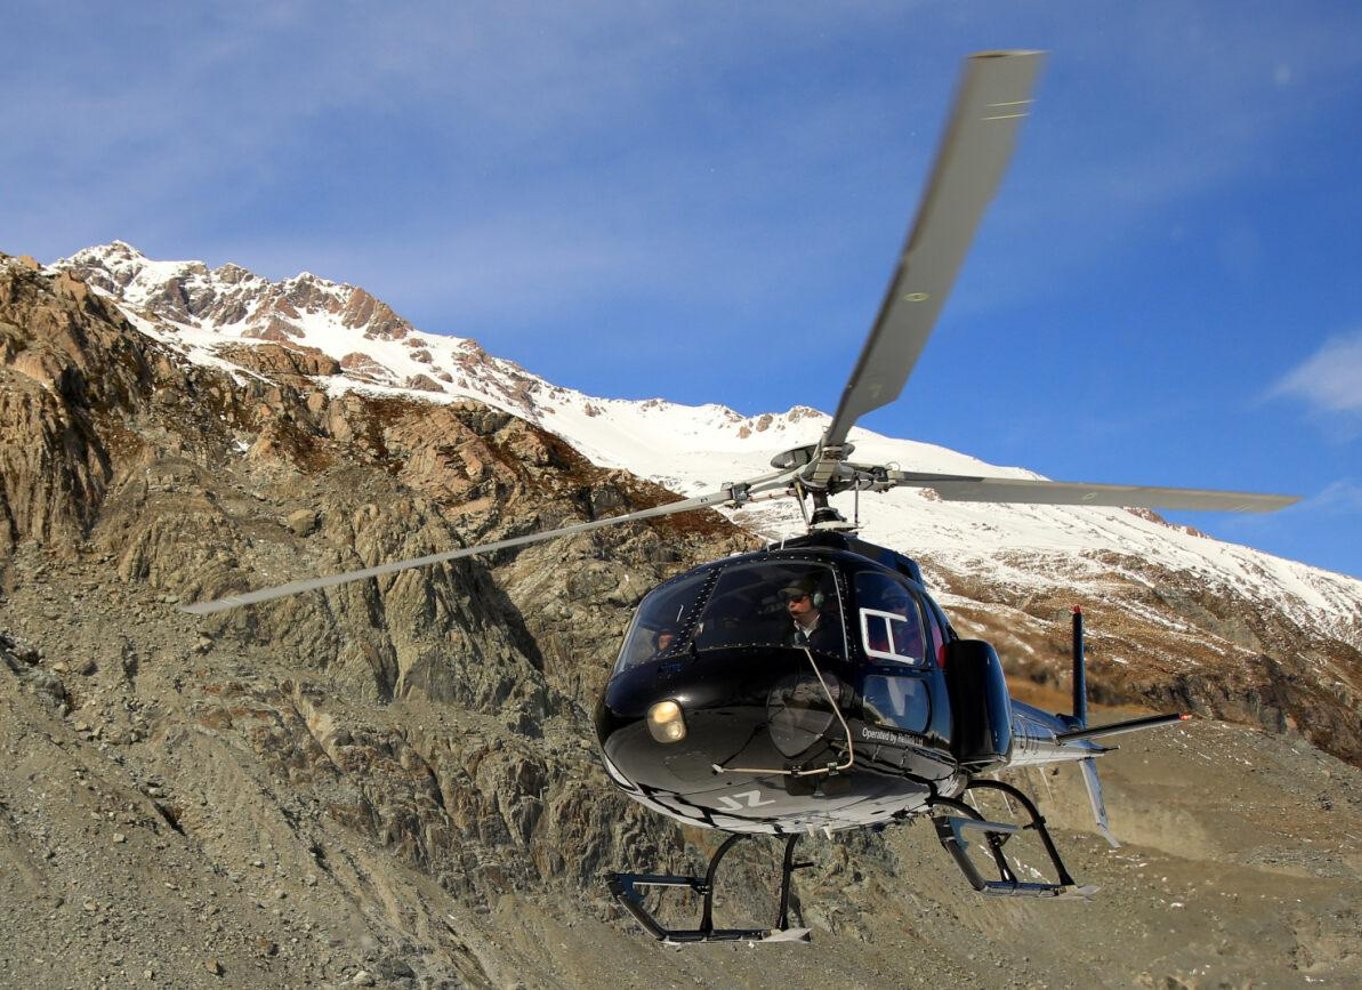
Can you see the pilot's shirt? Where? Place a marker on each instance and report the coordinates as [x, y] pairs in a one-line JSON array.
[[803, 635], [819, 635]]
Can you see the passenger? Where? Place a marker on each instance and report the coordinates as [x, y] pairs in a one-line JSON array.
[[804, 607], [877, 635], [907, 635], [662, 640]]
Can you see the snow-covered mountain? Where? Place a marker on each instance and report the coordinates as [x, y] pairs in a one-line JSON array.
[[355, 342]]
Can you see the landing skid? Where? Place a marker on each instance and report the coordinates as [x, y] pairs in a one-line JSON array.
[[952, 831], [626, 889]]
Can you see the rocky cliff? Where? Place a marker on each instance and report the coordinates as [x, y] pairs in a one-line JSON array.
[[393, 782]]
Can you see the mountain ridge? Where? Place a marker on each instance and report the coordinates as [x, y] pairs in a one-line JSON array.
[[687, 449]]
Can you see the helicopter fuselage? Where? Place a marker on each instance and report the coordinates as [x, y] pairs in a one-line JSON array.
[[720, 714]]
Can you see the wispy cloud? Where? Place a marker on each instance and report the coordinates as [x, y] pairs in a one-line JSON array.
[[756, 130], [1205, 103], [1342, 498], [261, 102], [1330, 383]]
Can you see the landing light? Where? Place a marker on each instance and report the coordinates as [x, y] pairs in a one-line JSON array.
[[666, 722]]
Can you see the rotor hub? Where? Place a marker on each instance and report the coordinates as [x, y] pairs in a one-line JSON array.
[[826, 519]]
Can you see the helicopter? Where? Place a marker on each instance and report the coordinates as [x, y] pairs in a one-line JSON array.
[[815, 685]]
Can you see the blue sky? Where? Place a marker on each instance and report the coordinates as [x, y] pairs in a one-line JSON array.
[[703, 201]]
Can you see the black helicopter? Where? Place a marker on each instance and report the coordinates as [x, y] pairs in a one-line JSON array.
[[815, 686]]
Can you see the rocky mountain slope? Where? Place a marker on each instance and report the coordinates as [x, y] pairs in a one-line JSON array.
[[392, 783], [1269, 621]]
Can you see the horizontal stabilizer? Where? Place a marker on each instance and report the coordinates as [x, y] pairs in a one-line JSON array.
[[1116, 728]]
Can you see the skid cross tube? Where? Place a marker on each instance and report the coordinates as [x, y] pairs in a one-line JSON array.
[[625, 888], [951, 831]]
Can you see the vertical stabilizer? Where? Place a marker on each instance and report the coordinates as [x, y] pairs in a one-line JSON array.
[[1080, 678]]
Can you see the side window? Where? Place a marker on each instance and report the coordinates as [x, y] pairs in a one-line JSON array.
[[900, 701], [890, 620]]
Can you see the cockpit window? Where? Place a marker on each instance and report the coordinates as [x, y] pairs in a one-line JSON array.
[[890, 621], [774, 603], [664, 622]]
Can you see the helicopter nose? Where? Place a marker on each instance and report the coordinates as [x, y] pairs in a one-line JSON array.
[[800, 710], [679, 726]]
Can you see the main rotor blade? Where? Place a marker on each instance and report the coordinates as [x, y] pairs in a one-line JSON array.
[[966, 488], [734, 494], [994, 97]]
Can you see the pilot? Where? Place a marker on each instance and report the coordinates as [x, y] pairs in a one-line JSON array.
[[803, 604]]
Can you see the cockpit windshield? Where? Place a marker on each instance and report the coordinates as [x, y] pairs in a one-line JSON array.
[[774, 603], [757, 603]]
